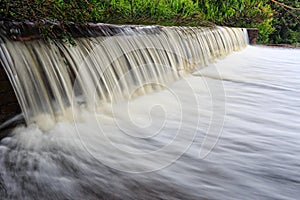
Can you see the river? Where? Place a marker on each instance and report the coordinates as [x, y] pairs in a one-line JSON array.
[[228, 131]]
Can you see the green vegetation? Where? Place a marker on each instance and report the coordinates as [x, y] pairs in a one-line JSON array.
[[286, 22], [240, 13], [275, 24]]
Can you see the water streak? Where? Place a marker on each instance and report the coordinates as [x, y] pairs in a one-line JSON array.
[[52, 79], [256, 157]]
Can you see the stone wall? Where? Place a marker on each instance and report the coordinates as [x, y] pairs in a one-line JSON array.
[[253, 35], [25, 31], [9, 105]]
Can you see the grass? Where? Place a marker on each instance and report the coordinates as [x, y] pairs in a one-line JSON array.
[[242, 13]]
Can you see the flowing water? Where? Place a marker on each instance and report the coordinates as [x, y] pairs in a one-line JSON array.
[[107, 69], [226, 131]]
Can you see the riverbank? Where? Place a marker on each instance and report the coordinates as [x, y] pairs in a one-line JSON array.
[[159, 12]]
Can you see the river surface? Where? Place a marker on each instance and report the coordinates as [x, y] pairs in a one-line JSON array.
[[228, 131]]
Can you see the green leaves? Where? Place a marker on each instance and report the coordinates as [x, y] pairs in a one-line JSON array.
[[241, 13], [286, 22]]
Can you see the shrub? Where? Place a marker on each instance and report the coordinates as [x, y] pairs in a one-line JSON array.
[[281, 26], [286, 22], [240, 13]]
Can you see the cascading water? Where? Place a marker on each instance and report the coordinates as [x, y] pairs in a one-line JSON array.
[[229, 130], [49, 77]]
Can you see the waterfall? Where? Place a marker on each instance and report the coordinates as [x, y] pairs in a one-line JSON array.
[[53, 79]]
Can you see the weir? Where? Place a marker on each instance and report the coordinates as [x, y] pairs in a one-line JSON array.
[[54, 79]]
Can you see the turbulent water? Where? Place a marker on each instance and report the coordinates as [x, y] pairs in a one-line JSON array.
[[227, 131]]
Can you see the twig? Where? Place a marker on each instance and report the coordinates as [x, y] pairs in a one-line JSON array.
[[286, 6]]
